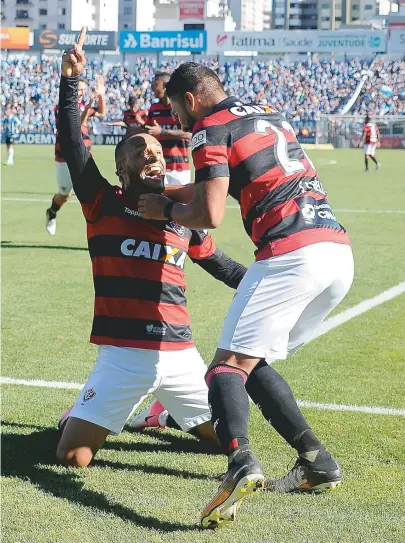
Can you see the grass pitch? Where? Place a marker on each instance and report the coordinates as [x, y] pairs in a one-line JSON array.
[[151, 487]]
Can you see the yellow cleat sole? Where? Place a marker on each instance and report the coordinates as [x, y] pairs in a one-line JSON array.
[[225, 512]]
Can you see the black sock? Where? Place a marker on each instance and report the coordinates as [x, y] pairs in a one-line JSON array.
[[229, 403], [373, 159], [171, 423], [274, 397], [54, 207], [366, 162]]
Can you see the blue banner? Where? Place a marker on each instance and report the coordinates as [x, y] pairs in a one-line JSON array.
[[194, 41]]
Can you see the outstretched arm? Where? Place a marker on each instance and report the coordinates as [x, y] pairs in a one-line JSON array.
[[86, 179]]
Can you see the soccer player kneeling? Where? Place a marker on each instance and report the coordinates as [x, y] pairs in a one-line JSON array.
[[141, 322]]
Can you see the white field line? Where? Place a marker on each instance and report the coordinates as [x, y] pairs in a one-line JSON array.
[[229, 206], [327, 326], [373, 410], [359, 309]]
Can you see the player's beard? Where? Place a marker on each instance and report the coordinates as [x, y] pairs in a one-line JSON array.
[[153, 185], [190, 122]]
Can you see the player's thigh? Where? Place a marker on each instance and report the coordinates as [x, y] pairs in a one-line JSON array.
[[63, 178], [120, 380], [367, 149], [175, 177], [267, 304], [182, 389], [341, 272]]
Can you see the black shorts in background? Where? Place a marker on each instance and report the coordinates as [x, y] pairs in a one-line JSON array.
[[10, 141]]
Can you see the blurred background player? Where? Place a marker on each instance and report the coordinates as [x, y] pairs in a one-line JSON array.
[[134, 119], [370, 140], [11, 125], [165, 127], [62, 172]]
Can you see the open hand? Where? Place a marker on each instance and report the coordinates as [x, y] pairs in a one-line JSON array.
[[154, 130], [73, 60], [100, 86]]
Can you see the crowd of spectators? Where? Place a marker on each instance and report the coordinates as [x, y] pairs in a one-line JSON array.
[[302, 90]]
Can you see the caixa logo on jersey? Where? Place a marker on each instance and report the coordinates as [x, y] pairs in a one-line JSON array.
[[316, 211], [242, 110], [154, 251]]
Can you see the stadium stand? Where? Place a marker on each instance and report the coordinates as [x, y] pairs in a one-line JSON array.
[[301, 90]]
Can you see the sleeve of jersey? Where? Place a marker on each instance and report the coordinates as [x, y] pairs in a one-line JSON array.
[[203, 252], [211, 152], [88, 183]]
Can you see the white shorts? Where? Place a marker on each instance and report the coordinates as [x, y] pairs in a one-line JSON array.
[[178, 177], [282, 300], [63, 178], [122, 377], [370, 148]]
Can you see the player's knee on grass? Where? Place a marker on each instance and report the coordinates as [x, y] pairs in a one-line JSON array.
[[79, 457], [80, 442]]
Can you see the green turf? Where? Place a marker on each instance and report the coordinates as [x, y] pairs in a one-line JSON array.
[[151, 487]]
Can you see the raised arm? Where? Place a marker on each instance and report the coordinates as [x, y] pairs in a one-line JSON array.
[[86, 179]]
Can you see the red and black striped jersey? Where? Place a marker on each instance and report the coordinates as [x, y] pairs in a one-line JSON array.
[[371, 133], [137, 264], [283, 203], [85, 132], [138, 272], [175, 151], [131, 119]]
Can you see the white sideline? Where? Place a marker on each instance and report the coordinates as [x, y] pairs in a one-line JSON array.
[[327, 326], [373, 410], [359, 309], [230, 206]]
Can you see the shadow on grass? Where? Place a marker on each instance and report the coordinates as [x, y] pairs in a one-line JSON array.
[[177, 443], [28, 457], [16, 245]]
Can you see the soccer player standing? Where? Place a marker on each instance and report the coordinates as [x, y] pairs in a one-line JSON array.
[[370, 140], [303, 269], [133, 118], [12, 126], [62, 171], [163, 125]]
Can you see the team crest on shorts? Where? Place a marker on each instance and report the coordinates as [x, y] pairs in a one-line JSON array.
[[89, 394]]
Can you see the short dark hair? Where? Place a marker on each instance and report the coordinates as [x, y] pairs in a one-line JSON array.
[[162, 75], [192, 77], [132, 100], [367, 119]]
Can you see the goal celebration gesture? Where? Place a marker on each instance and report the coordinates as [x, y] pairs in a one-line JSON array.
[[73, 60]]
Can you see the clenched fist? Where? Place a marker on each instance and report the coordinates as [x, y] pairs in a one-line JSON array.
[[73, 60]]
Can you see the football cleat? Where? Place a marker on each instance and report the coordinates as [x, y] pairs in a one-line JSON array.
[[63, 419], [244, 477], [322, 474], [378, 167], [149, 417], [50, 224]]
